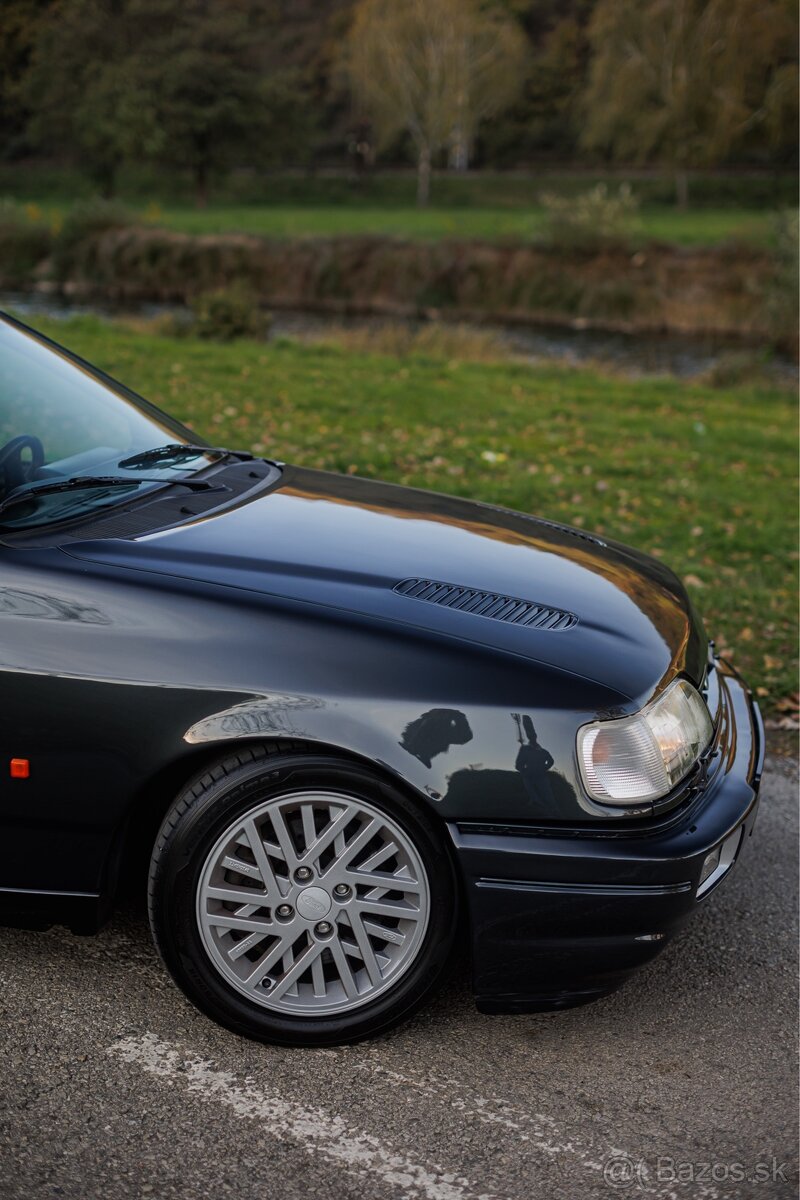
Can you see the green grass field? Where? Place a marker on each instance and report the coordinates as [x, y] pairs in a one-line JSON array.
[[703, 226], [703, 478], [484, 204]]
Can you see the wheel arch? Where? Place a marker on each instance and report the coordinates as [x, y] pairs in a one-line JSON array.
[[129, 855]]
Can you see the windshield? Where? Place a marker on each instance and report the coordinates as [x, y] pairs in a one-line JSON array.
[[61, 420]]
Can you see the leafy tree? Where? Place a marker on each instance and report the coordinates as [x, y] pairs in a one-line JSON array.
[[214, 100], [192, 84], [80, 89], [19, 24], [544, 119], [683, 82], [206, 85], [780, 104], [434, 69]]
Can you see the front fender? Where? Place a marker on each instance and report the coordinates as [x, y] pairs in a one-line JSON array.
[[469, 762], [123, 678]]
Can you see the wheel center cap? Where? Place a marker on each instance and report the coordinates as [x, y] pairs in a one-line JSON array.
[[313, 903]]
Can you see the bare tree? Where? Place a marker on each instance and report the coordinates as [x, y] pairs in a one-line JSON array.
[[683, 81], [435, 69]]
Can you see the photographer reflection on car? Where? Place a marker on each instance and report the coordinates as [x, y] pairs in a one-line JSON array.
[[534, 763]]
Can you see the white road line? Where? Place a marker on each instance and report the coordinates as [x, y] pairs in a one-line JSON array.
[[529, 1127], [361, 1154], [317, 1131], [539, 1130]]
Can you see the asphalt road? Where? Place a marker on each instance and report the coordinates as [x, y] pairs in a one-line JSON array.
[[682, 1084]]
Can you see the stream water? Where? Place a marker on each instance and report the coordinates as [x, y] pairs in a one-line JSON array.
[[634, 354]]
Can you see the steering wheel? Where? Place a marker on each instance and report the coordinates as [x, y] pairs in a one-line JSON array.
[[12, 465]]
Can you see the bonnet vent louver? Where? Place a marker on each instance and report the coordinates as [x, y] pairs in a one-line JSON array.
[[576, 533], [486, 604]]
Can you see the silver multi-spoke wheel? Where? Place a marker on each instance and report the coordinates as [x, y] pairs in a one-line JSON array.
[[301, 898], [313, 903]]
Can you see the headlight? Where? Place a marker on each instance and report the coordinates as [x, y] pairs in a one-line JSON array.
[[640, 758]]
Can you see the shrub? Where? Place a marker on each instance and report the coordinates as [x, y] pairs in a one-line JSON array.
[[84, 222], [434, 339], [783, 289], [612, 299], [548, 287], [227, 313], [738, 368], [25, 241], [178, 324], [592, 220]]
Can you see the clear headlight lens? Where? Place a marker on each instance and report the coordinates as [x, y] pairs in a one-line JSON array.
[[640, 758]]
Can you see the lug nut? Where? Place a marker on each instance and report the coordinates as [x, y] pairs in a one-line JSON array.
[[284, 910], [341, 890], [303, 874], [323, 928]]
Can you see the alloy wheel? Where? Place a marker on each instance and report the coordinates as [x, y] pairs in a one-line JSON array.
[[313, 903]]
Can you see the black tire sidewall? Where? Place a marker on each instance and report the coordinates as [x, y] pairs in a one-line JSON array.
[[181, 852]]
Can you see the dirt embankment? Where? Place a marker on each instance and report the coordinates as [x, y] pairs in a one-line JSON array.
[[724, 290]]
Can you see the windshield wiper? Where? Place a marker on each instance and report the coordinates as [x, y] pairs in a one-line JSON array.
[[78, 482], [175, 451]]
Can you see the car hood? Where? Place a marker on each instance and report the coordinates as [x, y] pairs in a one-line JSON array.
[[345, 543]]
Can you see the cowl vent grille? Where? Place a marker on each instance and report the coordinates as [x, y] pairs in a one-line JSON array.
[[510, 609]]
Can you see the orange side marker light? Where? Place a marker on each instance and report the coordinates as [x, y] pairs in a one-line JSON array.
[[20, 768]]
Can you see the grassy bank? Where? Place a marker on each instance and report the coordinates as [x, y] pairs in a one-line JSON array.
[[703, 478], [700, 227], [703, 227], [733, 292], [485, 205]]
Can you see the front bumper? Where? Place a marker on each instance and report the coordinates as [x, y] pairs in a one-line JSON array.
[[559, 919]]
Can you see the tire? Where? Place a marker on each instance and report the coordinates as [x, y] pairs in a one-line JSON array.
[[324, 953]]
